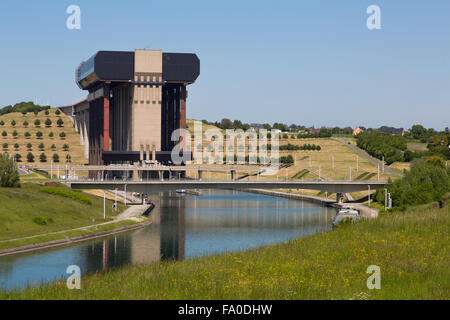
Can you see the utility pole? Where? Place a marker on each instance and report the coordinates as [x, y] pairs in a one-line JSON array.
[[104, 205], [383, 165]]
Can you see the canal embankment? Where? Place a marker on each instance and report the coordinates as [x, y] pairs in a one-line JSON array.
[[366, 212]]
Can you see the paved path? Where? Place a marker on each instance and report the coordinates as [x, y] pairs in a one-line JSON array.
[[365, 155]]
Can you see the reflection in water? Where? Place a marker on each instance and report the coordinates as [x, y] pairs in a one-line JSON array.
[[183, 226]]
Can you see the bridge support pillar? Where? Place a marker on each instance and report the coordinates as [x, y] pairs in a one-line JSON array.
[[339, 197], [200, 174], [233, 175]]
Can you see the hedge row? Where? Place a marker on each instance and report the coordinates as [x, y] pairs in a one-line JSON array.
[[68, 194]]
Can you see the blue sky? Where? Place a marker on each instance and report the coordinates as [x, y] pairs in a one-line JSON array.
[[306, 62]]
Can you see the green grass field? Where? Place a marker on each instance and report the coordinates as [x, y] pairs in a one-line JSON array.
[[411, 248], [21, 205]]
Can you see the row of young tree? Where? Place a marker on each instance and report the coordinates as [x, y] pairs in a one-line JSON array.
[[42, 157], [37, 123], [27, 135], [29, 146]]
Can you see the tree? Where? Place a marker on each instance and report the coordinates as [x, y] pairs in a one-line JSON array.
[[68, 158], [41, 146], [5, 146], [29, 146], [39, 134], [27, 135], [55, 157], [17, 157], [65, 147], [47, 112], [226, 123], [51, 134], [36, 112], [43, 157], [25, 124], [2, 123], [57, 112], [16, 146], [9, 176], [53, 146], [48, 122], [4, 134], [30, 157], [15, 133], [24, 113], [437, 162], [37, 122], [62, 135], [13, 123], [60, 122]]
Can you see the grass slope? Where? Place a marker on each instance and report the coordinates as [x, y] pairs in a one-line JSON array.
[[72, 138], [21, 205], [411, 249]]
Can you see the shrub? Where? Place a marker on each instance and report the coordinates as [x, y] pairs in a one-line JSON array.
[[29, 146], [60, 122], [24, 112], [48, 122], [37, 122], [62, 135], [41, 146], [17, 157], [36, 112], [39, 134], [16, 146], [42, 221], [424, 183], [13, 123], [55, 157], [15, 133], [43, 157], [9, 176], [65, 147], [51, 134], [47, 112], [25, 124], [5, 146], [27, 135], [30, 157], [67, 194], [2, 123], [4, 134], [57, 112], [53, 146]]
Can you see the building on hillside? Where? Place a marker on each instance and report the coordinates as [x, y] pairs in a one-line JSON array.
[[359, 130]]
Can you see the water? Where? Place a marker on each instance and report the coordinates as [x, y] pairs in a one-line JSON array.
[[184, 226]]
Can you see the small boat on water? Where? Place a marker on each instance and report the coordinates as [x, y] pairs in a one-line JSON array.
[[347, 213], [181, 191]]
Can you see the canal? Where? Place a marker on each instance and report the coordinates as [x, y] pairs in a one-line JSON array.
[[184, 226]]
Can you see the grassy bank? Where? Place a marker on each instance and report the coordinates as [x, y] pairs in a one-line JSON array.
[[411, 248], [27, 211]]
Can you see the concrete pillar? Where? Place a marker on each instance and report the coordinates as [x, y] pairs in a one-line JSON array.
[[200, 174], [233, 175], [339, 197], [106, 119], [147, 152], [141, 153]]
